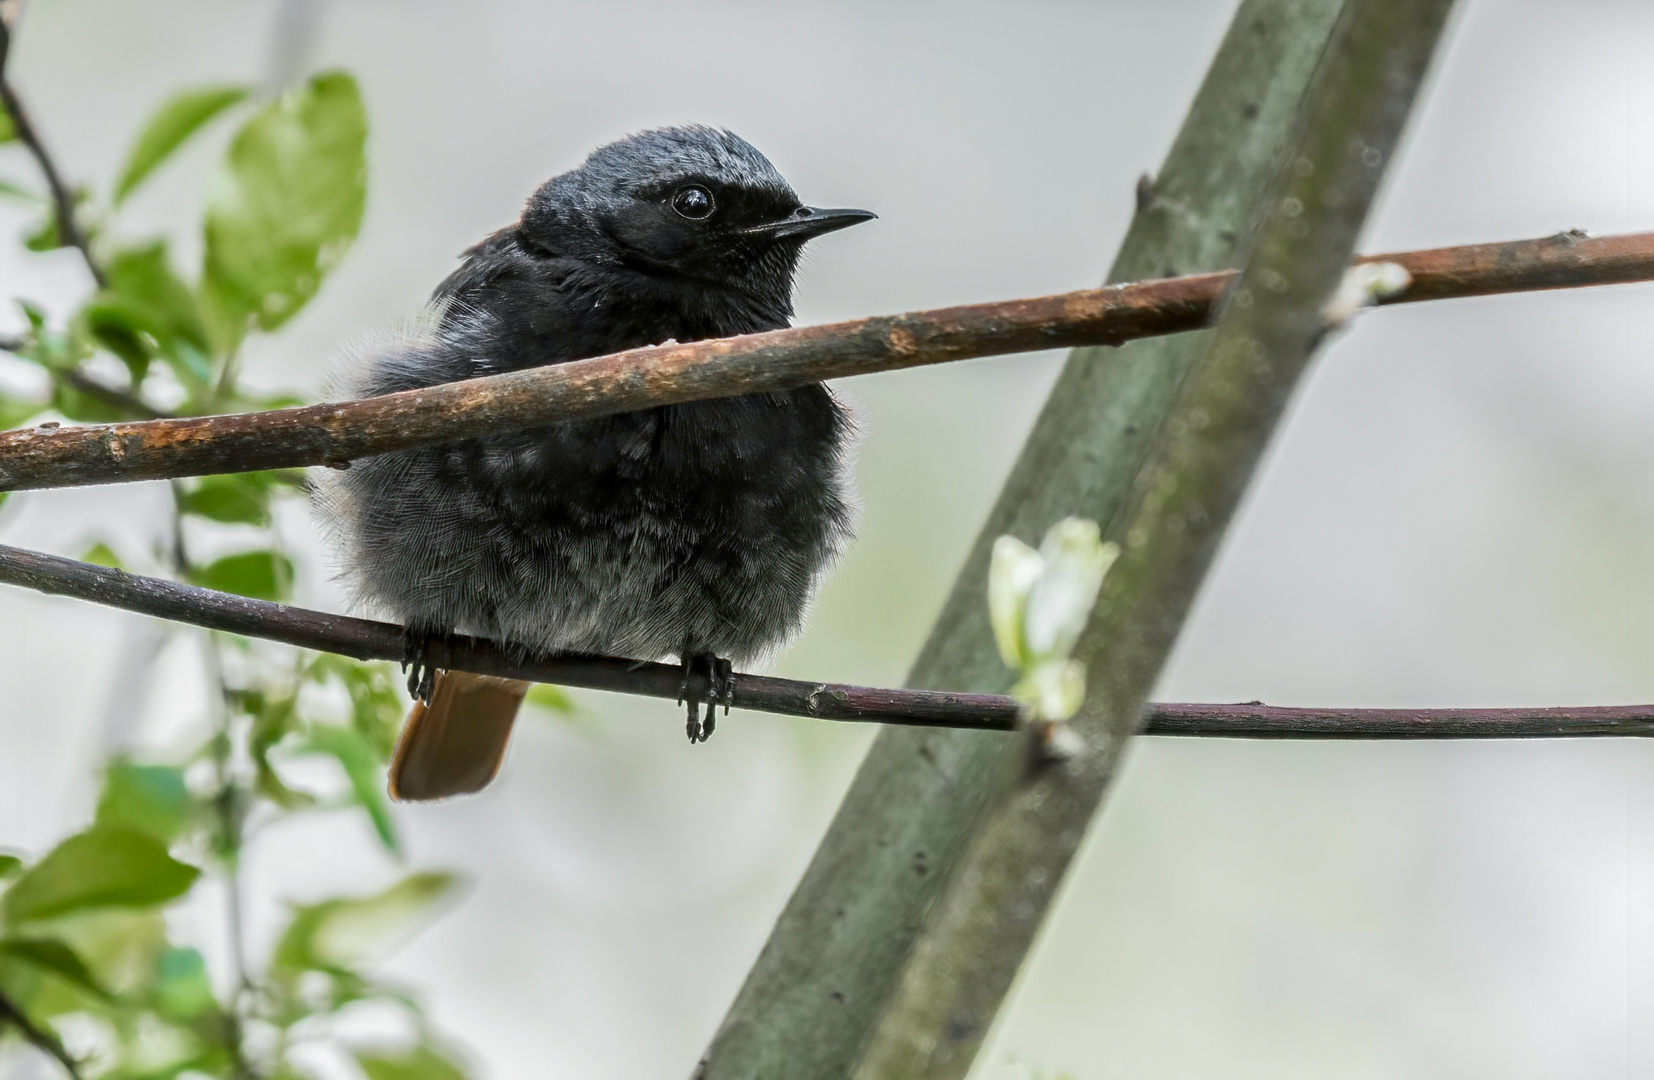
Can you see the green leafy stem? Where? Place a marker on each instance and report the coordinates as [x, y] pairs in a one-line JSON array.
[[81, 927]]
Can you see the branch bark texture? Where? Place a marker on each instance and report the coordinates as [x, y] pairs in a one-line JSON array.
[[364, 639], [815, 996], [339, 432], [1203, 456]]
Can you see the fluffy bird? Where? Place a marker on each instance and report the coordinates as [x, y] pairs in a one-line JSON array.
[[696, 531]]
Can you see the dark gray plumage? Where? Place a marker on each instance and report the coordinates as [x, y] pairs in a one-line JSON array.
[[693, 530]]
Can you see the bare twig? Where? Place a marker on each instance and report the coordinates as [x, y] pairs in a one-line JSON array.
[[63, 200], [36, 1036], [1255, 720], [367, 640], [335, 433]]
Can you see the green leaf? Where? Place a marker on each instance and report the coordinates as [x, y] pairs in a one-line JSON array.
[[83, 407], [274, 718], [235, 499], [150, 799], [48, 954], [228, 499], [171, 126], [119, 945], [356, 756], [286, 204], [15, 412], [9, 865], [101, 554], [336, 935], [262, 575], [420, 1063], [551, 698], [182, 988], [101, 867], [34, 313], [13, 191], [376, 701], [142, 278], [125, 330], [44, 236], [272, 402], [7, 131]]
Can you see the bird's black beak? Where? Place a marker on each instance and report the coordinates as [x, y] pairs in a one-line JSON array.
[[810, 221]]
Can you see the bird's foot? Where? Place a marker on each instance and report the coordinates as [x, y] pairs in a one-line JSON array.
[[720, 690], [416, 645]]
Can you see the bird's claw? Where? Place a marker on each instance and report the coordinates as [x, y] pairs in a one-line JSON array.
[[720, 690], [421, 673]]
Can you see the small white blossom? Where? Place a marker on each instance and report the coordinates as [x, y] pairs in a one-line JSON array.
[[1038, 604], [1364, 285]]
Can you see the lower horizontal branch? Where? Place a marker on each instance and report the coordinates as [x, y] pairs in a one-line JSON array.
[[365, 639], [1255, 720]]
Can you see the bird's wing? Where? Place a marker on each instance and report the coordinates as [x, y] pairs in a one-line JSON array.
[[455, 745], [498, 255]]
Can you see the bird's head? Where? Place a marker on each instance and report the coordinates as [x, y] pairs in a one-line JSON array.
[[695, 204]]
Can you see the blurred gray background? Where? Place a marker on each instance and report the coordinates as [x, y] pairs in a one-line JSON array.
[[1457, 513]]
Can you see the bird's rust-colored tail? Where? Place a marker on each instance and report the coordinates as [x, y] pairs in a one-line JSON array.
[[454, 745]]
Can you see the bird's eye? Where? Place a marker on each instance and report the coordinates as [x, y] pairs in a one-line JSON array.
[[693, 202]]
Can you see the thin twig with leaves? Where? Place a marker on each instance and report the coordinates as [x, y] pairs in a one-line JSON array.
[[42, 1040], [80, 925]]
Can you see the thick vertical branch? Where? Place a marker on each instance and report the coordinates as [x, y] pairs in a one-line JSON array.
[[815, 995], [978, 936]]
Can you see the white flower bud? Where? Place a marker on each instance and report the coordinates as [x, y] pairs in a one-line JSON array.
[[1038, 604], [1061, 600], [1011, 576]]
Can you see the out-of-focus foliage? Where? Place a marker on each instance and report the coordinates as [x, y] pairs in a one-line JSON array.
[[84, 950], [170, 127], [286, 204]]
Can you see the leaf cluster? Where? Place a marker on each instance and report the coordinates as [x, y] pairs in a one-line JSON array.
[[284, 205], [85, 944]]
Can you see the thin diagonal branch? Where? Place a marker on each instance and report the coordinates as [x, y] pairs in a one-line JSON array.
[[123, 400], [367, 640], [37, 1037], [63, 207], [336, 433], [63, 200]]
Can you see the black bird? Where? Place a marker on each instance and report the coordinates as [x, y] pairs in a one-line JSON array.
[[696, 531]]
